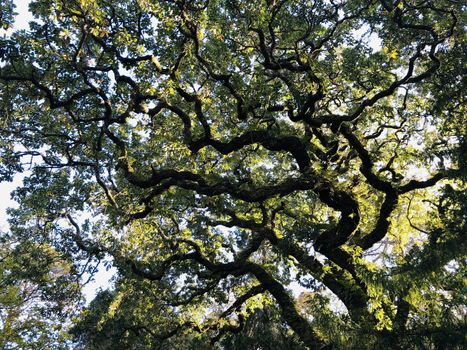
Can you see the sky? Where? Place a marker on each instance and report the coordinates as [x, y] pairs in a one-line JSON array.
[[21, 22]]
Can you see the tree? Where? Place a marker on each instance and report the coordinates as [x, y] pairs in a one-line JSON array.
[[218, 151], [36, 288]]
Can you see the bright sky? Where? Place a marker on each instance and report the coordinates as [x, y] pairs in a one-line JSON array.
[[23, 17], [21, 22], [5, 200]]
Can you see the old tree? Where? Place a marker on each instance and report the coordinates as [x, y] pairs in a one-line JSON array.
[[225, 156]]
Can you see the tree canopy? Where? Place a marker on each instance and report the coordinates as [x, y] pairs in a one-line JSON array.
[[222, 154]]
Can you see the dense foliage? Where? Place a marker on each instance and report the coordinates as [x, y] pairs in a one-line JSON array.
[[221, 154]]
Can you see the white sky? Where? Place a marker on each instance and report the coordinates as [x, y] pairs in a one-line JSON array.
[[21, 22], [5, 200]]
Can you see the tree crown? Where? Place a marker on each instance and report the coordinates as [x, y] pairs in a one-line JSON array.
[[218, 151]]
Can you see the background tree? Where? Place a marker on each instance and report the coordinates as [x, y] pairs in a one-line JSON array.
[[36, 291], [219, 150]]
